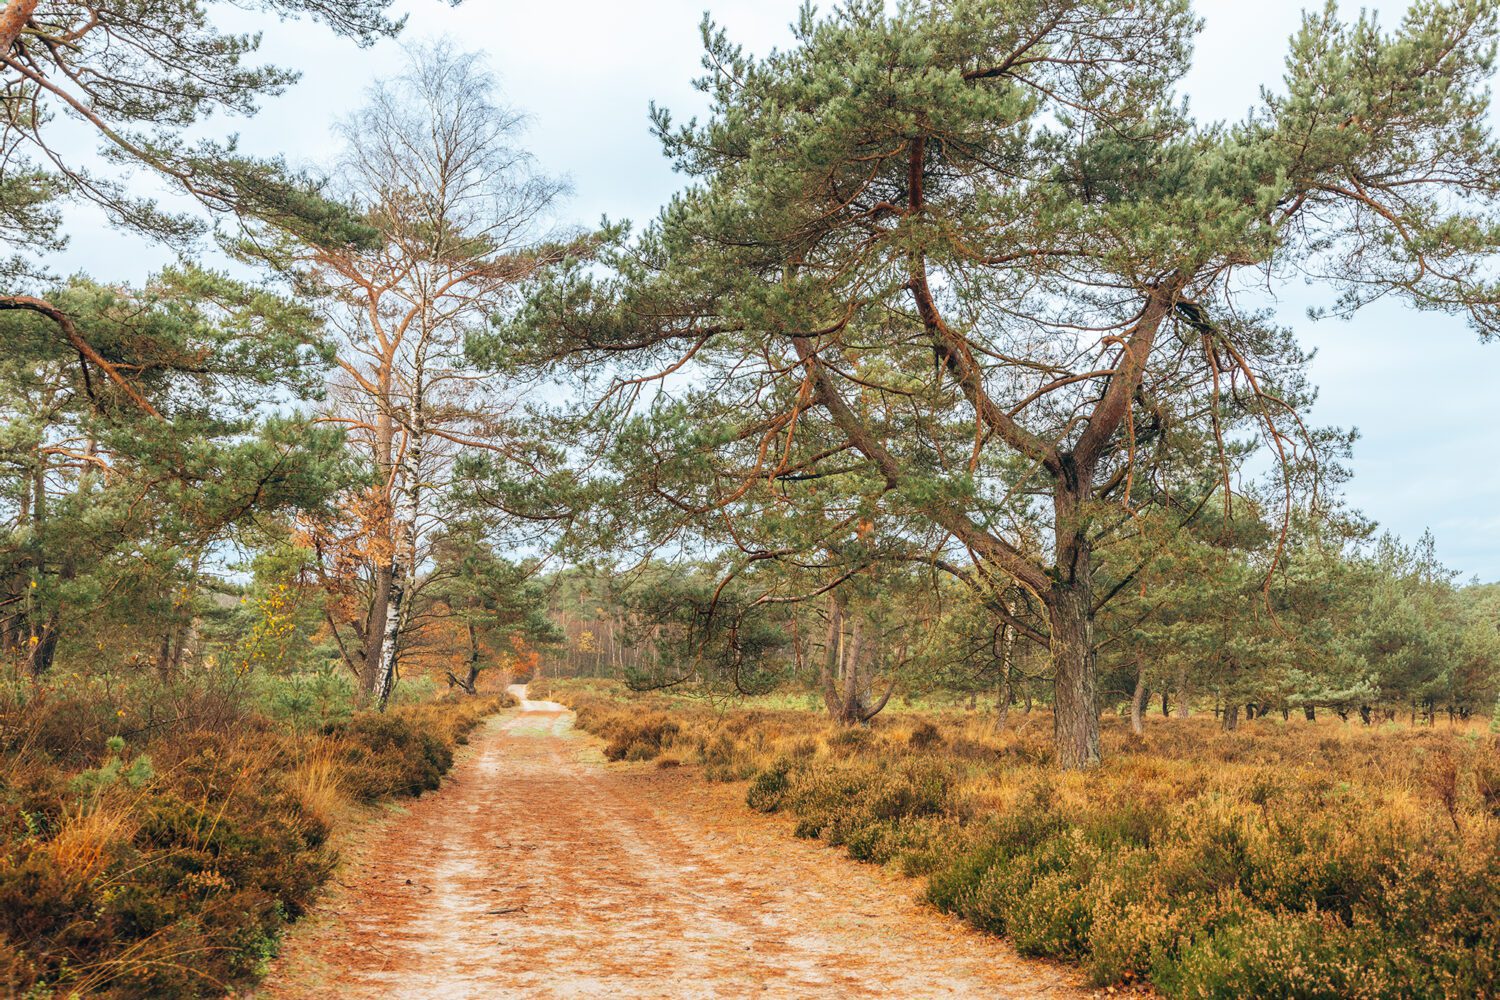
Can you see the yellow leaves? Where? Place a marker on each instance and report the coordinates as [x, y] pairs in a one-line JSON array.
[[267, 642]]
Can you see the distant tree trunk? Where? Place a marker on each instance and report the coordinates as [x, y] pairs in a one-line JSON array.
[[1165, 706], [43, 641], [1364, 714], [1183, 694], [1309, 713], [833, 654], [1138, 702], [164, 657], [1007, 651], [1249, 711], [1231, 719], [849, 710], [469, 682], [846, 688], [1002, 704]]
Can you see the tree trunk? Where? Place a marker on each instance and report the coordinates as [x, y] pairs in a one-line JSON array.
[[1075, 709], [1002, 704], [1309, 713], [469, 682], [1231, 718], [385, 670], [1070, 611], [41, 630], [375, 628], [1364, 714], [1182, 692], [849, 711], [1007, 692], [833, 654], [43, 640], [1138, 702], [1166, 708], [164, 657]]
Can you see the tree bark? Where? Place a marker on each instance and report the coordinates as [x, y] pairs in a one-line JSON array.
[[1075, 704], [832, 654], [385, 669], [1309, 713], [12, 19], [1007, 661], [1182, 692], [1231, 718], [1138, 702], [849, 710], [1075, 711]]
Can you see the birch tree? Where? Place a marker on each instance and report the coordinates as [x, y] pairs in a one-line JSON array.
[[432, 164]]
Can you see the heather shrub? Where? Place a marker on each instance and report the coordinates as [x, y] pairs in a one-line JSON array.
[[164, 861], [1279, 861]]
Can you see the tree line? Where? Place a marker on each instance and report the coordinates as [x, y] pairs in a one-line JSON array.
[[950, 364]]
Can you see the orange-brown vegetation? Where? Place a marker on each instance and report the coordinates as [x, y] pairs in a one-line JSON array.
[[1285, 859], [158, 850]]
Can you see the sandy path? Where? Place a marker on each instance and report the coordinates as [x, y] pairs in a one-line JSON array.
[[540, 871]]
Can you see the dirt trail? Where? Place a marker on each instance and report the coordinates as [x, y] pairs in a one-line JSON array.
[[539, 871]]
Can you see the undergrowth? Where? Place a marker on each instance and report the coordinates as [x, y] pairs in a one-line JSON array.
[[1283, 860], [158, 850]]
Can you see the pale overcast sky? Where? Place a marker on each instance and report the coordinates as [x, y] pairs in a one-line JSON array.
[[1418, 387]]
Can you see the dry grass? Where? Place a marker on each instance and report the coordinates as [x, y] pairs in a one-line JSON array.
[[88, 837], [318, 782]]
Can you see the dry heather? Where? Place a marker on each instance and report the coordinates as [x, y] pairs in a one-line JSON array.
[[159, 852], [1286, 859]]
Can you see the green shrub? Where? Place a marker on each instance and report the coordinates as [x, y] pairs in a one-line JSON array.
[[306, 701]]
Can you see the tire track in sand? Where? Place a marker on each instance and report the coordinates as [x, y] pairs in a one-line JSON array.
[[539, 871]]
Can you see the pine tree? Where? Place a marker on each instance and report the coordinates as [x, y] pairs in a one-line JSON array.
[[971, 262]]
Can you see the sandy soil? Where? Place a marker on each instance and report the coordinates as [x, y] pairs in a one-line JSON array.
[[540, 871]]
